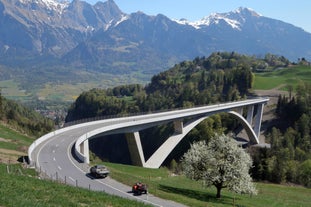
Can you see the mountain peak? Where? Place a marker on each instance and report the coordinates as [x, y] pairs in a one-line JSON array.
[[234, 18], [246, 11]]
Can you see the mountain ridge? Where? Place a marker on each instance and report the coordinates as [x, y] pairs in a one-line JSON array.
[[42, 34]]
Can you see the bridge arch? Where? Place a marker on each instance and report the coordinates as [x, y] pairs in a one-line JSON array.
[[159, 156]]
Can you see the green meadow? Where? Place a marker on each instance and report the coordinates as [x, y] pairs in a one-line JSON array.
[[20, 187], [161, 182], [282, 77]]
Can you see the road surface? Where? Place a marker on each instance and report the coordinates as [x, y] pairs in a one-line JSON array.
[[55, 160]]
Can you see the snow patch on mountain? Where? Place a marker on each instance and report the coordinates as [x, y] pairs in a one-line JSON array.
[[216, 18], [123, 18], [49, 4], [209, 20]]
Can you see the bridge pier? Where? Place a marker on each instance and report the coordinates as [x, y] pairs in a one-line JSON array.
[[258, 118], [135, 148], [250, 113], [84, 149], [178, 126]]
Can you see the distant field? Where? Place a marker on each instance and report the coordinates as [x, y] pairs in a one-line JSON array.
[[64, 92], [180, 189], [10, 89], [282, 77]]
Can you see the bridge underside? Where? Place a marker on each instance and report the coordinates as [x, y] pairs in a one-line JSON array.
[[181, 130], [251, 123]]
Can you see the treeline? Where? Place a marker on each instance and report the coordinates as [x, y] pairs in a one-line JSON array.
[[289, 159], [23, 119], [217, 78]]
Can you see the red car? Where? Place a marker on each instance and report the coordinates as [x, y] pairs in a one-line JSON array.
[[139, 188]]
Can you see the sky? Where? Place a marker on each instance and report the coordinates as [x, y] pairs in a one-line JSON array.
[[296, 12]]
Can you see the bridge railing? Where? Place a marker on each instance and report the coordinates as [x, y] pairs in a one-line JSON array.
[[80, 121]]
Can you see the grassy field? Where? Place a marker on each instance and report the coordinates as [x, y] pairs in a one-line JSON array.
[[10, 89], [19, 187], [282, 77], [166, 185], [12, 145], [65, 92]]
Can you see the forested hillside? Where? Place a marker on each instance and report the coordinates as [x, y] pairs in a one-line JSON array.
[[289, 159], [23, 119], [218, 78]]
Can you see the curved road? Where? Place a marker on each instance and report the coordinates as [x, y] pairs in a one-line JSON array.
[[54, 159], [52, 154]]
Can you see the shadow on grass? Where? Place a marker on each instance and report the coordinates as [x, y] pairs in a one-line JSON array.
[[198, 195]]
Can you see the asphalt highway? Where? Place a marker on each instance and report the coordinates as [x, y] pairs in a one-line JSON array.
[[54, 159]]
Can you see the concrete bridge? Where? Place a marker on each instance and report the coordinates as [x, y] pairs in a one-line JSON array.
[[53, 155], [132, 125]]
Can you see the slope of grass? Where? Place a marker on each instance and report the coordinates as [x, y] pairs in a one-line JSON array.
[[287, 76], [12, 145], [19, 188], [180, 189]]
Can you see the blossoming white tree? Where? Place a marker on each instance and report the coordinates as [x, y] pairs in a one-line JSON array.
[[221, 163]]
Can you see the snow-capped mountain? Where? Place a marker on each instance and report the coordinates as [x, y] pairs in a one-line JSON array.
[[50, 27], [48, 4], [101, 37], [234, 19]]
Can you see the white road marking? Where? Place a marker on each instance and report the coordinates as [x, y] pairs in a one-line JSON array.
[[59, 167], [110, 186]]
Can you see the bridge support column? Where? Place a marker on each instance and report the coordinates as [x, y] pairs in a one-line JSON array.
[[258, 119], [135, 148], [84, 149], [250, 113], [239, 110], [178, 126]]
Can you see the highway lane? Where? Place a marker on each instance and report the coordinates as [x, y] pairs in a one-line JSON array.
[[55, 160]]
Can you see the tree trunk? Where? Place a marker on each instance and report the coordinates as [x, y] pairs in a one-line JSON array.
[[218, 192]]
